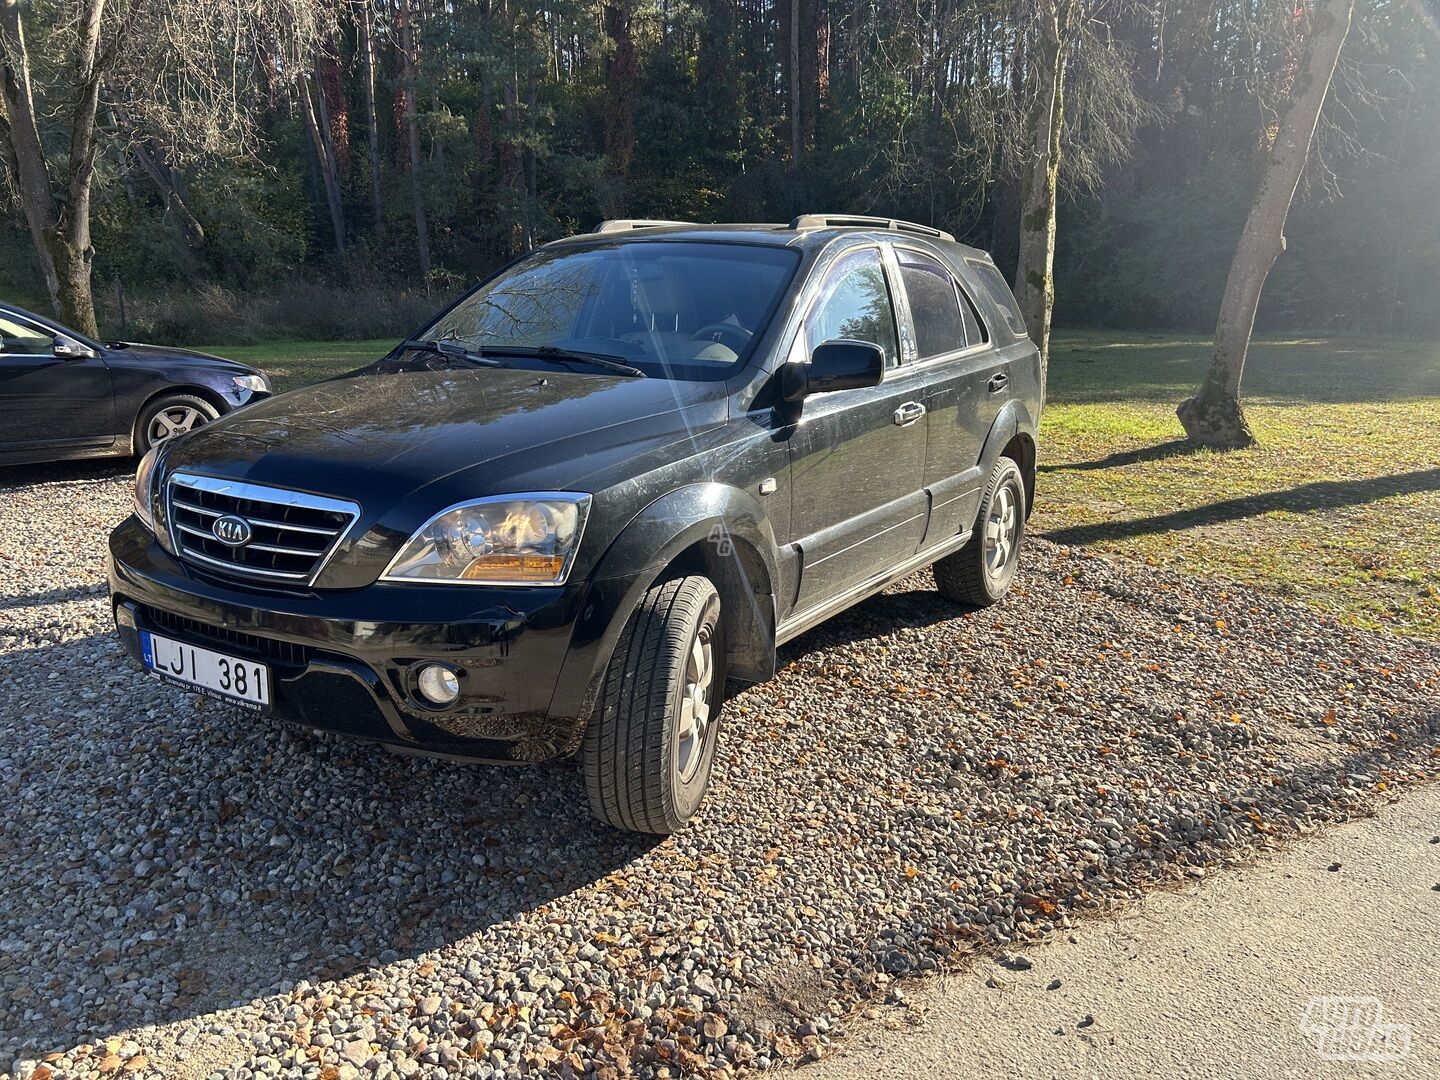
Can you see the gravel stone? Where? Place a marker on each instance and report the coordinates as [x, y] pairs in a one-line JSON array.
[[916, 785]]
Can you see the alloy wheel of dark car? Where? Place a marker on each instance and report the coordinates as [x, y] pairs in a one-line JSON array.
[[170, 416], [980, 573], [650, 746]]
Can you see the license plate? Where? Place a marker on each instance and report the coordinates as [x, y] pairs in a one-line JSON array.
[[243, 682]]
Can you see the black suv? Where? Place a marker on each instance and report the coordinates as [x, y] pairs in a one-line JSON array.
[[595, 491]]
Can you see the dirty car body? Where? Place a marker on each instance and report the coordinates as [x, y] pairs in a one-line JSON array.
[[712, 458]]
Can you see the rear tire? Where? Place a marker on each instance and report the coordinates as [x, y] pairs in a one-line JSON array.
[[650, 745], [980, 573], [169, 416]]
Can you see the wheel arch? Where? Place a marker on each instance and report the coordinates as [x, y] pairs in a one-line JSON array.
[[204, 393], [1012, 435], [713, 529]]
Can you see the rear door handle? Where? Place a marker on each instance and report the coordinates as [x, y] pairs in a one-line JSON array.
[[908, 413], [998, 382]]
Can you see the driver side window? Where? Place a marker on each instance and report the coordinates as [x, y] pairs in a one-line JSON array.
[[23, 338], [855, 303]]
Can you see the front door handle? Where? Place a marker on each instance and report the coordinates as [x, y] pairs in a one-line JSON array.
[[998, 382], [908, 413]]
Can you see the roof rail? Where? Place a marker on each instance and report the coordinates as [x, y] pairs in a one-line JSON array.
[[863, 221], [627, 224]]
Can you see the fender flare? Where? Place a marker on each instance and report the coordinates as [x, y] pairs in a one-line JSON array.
[[716, 528], [1013, 419]]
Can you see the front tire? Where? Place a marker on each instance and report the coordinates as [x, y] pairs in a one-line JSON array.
[[649, 748], [169, 416], [980, 573]]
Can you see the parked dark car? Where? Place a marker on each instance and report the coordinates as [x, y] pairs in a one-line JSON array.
[[595, 491], [65, 396]]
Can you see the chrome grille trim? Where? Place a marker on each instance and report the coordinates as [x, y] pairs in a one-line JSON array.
[[291, 551]]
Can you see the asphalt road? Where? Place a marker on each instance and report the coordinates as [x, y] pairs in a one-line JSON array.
[[1211, 982]]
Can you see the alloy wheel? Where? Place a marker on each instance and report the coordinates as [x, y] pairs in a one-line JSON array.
[[176, 420], [1002, 530], [693, 727]]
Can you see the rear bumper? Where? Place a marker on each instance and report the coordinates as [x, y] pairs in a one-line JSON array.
[[529, 660]]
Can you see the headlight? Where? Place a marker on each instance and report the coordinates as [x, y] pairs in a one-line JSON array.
[[253, 383], [145, 488], [503, 540]]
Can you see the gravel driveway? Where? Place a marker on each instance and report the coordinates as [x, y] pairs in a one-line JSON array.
[[187, 890]]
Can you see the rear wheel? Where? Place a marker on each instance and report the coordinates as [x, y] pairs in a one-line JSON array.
[[169, 416], [650, 746], [980, 573]]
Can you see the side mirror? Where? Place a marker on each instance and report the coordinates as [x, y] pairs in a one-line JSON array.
[[841, 364], [67, 348]]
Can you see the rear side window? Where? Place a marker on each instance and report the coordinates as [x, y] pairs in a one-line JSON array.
[[994, 284], [943, 320]]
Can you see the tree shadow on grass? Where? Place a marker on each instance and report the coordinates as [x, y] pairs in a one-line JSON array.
[[1307, 498], [1173, 448]]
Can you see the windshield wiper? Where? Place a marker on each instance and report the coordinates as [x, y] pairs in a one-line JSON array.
[[485, 354], [604, 361], [451, 351], [607, 361]]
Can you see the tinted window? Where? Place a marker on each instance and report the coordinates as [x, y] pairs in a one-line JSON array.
[[671, 308], [940, 318], [855, 303], [994, 284], [24, 338]]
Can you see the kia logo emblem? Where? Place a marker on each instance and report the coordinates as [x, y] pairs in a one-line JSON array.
[[231, 530]]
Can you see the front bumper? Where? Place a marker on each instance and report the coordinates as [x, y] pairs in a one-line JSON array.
[[344, 661]]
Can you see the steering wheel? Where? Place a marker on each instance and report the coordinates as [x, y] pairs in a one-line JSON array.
[[727, 333]]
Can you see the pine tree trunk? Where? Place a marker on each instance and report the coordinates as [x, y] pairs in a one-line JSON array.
[[312, 98], [412, 134], [809, 71], [1214, 417], [797, 139], [621, 73], [372, 123], [1034, 273]]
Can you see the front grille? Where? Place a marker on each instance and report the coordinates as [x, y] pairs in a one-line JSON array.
[[291, 533], [284, 653]]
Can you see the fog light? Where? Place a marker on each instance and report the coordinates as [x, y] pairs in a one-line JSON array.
[[438, 684]]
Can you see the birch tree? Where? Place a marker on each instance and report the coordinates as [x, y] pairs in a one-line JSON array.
[[1214, 417], [1040, 171]]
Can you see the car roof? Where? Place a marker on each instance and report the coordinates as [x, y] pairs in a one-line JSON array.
[[809, 232]]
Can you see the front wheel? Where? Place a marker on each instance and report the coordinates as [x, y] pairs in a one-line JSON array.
[[980, 573], [649, 747], [169, 416]]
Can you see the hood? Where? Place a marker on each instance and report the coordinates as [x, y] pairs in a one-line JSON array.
[[166, 354], [428, 439]]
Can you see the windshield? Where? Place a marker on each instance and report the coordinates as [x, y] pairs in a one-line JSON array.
[[672, 309]]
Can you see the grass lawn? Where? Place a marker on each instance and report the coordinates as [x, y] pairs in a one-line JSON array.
[[295, 363], [1338, 506]]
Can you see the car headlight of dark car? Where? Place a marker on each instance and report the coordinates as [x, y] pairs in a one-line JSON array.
[[256, 384], [145, 488], [528, 539]]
